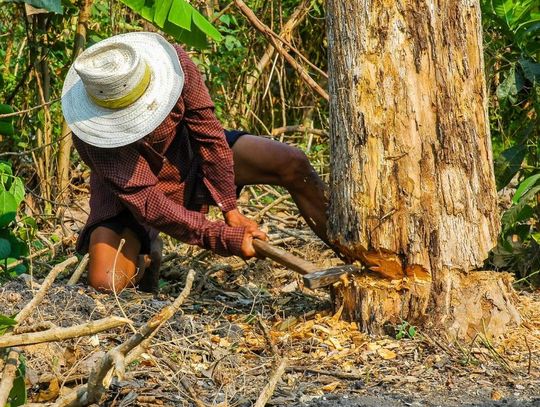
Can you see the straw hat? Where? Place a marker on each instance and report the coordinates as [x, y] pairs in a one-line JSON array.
[[121, 89]]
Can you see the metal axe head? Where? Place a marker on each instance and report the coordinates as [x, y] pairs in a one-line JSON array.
[[324, 278]]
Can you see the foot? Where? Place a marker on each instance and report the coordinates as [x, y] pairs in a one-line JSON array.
[[150, 280]]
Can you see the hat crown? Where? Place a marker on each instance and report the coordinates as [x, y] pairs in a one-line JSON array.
[[110, 71]]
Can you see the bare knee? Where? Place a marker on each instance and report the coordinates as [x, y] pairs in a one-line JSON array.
[[297, 170], [110, 280]]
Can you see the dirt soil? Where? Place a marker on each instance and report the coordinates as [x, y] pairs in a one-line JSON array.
[[218, 347]]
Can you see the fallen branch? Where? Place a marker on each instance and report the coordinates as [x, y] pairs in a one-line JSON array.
[[275, 202], [79, 270], [28, 308], [268, 390], [61, 334], [8, 376], [298, 128], [95, 388], [270, 35]]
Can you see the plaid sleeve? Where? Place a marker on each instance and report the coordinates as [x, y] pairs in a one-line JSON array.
[[130, 177], [203, 125]]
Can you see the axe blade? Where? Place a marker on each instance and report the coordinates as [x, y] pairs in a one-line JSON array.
[[324, 278]]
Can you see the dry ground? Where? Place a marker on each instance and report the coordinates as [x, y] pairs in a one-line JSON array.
[[218, 347]]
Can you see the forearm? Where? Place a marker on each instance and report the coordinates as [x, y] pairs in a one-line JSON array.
[[150, 206]]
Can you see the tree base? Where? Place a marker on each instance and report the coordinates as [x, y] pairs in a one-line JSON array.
[[459, 305]]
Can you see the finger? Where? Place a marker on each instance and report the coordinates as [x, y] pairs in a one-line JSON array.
[[259, 234]]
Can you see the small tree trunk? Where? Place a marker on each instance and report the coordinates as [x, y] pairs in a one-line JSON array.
[[413, 191], [66, 144]]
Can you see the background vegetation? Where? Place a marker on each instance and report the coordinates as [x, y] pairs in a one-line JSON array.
[[253, 88]]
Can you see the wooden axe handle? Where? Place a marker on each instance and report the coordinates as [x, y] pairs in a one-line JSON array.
[[284, 258]]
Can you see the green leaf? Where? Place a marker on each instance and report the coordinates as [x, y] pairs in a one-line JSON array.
[[204, 25], [7, 321], [180, 14], [17, 396], [17, 190], [520, 211], [162, 12], [512, 84], [531, 70], [412, 331], [525, 186], [5, 248], [8, 208], [508, 164]]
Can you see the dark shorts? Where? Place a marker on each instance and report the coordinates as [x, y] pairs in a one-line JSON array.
[[126, 220]]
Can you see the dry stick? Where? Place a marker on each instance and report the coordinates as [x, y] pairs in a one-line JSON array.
[[276, 202], [296, 18], [60, 333], [269, 34], [339, 375], [79, 270], [34, 255], [268, 390], [267, 336], [530, 356], [298, 128], [21, 112], [10, 372], [95, 388], [28, 308]]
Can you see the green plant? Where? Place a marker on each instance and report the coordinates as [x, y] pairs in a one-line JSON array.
[[512, 32], [12, 233], [405, 330], [178, 19]]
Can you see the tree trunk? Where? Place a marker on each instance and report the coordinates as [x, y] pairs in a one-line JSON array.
[[413, 192], [66, 144]]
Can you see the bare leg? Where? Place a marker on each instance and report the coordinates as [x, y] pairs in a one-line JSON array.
[[258, 160], [104, 274]]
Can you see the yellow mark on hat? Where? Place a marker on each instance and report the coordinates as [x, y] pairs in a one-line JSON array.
[[130, 97]]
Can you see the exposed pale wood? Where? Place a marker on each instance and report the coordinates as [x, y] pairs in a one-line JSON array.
[[74, 279], [61, 334], [8, 376], [270, 387], [412, 186]]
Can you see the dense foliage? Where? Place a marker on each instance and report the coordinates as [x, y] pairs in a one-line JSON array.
[[256, 90], [512, 33]]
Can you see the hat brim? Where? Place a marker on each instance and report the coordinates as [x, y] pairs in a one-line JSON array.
[[109, 128]]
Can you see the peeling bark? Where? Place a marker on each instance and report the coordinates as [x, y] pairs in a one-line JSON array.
[[412, 176]]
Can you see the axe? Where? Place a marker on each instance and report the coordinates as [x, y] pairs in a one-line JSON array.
[[314, 277]]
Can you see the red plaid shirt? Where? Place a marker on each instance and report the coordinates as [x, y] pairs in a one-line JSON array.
[[166, 179]]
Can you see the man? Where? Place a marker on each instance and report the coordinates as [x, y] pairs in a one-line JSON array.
[[143, 121]]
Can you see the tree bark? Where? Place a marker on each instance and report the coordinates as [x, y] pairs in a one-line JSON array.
[[413, 192]]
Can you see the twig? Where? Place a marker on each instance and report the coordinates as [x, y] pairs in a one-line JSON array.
[[33, 256], [339, 375], [275, 202], [95, 388], [20, 112], [79, 270], [270, 35], [28, 308], [10, 372], [267, 336], [268, 390], [189, 388], [60, 333], [530, 356], [298, 128]]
